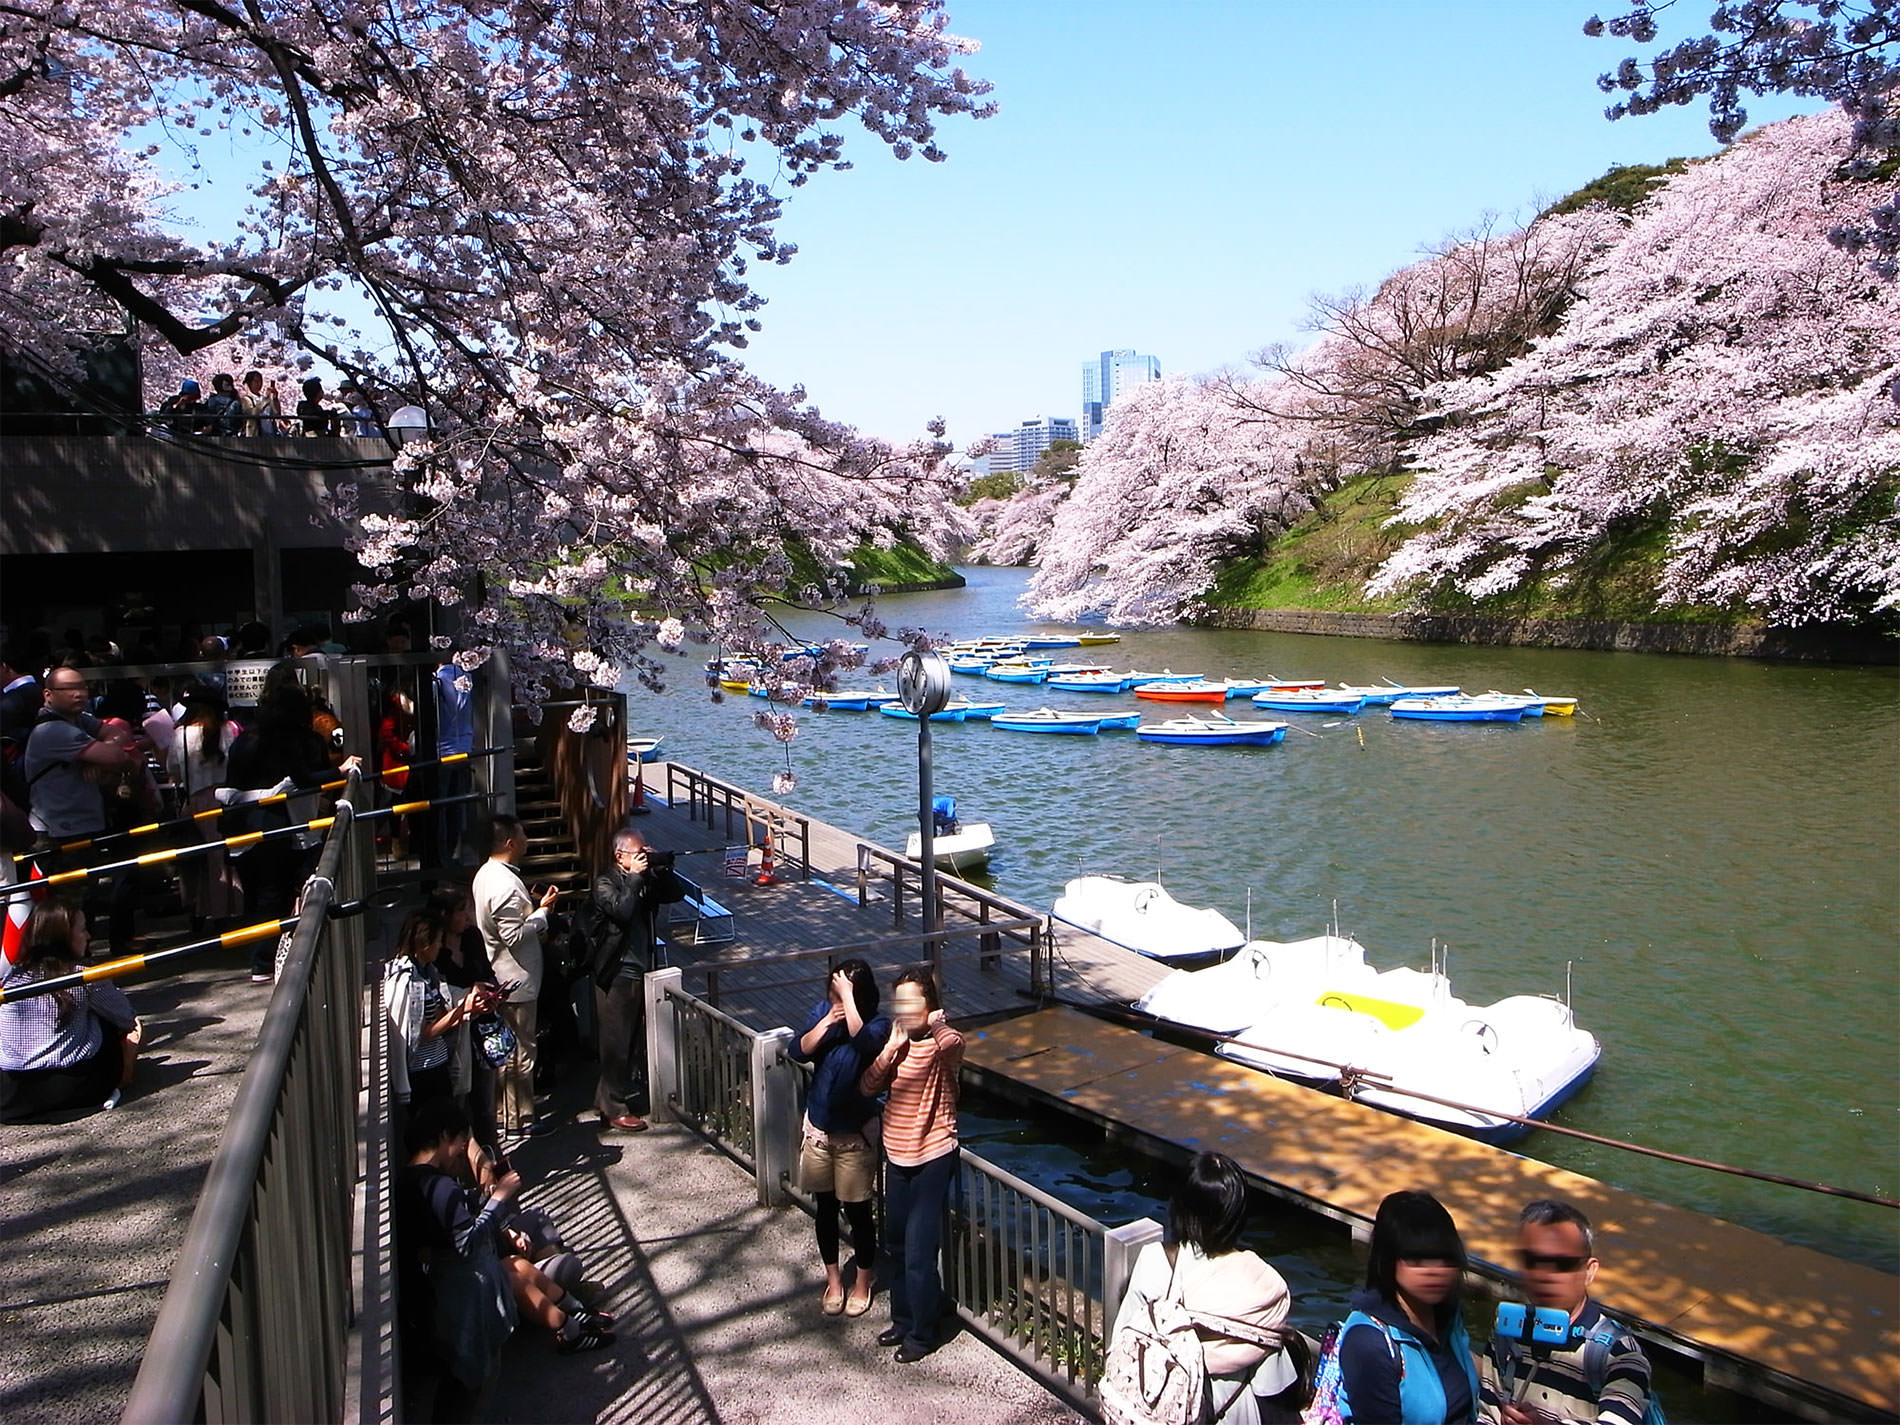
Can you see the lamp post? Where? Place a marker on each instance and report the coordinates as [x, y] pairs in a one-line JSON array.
[[923, 686]]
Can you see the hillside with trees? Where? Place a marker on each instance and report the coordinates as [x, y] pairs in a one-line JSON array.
[[1671, 394]]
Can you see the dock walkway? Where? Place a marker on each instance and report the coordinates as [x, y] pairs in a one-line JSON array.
[[1707, 1287]]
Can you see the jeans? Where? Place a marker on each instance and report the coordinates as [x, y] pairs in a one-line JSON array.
[[914, 1201], [622, 1014]]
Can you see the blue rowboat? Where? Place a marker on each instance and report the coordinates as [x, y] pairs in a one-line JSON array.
[[972, 664], [1016, 673], [1214, 730], [1459, 709], [1245, 687], [970, 709], [1121, 722], [1135, 680], [899, 710], [1091, 683], [850, 701], [1425, 690], [1054, 641], [1048, 720], [1309, 702], [1533, 705]]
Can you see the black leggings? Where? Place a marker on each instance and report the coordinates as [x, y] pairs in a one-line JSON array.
[[863, 1230]]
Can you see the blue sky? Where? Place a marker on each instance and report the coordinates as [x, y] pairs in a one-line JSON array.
[[1177, 176]]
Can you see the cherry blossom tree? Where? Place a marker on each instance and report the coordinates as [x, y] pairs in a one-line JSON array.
[[1844, 51], [1724, 386], [548, 212]]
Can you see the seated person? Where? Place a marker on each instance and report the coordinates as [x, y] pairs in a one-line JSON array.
[[75, 1048]]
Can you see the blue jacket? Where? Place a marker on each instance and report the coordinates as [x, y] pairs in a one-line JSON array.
[[834, 1104], [1436, 1383]]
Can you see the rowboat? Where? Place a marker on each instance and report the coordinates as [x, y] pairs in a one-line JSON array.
[[1178, 692], [1532, 704], [1215, 730], [1309, 700], [1459, 709], [1121, 722], [1072, 670], [1556, 706], [1053, 641], [1245, 687], [1090, 683], [1017, 672], [850, 700], [970, 662], [641, 748], [1048, 720], [955, 845], [1135, 680], [1294, 685], [1145, 918], [1091, 640], [1384, 695], [971, 709], [898, 710], [1299, 1008]]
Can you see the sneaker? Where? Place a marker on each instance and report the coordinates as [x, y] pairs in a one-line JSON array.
[[263, 979], [584, 1339], [112, 1100]]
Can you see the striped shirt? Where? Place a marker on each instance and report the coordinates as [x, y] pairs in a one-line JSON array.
[[1558, 1383], [920, 1116]]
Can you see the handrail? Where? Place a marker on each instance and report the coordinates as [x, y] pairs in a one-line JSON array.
[[733, 800], [695, 1002], [206, 1357], [1032, 1192], [715, 972]]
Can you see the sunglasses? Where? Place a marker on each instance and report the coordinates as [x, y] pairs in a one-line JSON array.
[[1536, 1262]]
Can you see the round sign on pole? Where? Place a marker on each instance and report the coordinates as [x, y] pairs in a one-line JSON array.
[[923, 683]]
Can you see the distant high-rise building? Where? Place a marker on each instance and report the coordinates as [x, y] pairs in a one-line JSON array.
[[1016, 450], [1112, 374]]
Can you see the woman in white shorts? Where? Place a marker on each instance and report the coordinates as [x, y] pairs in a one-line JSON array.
[[837, 1163]]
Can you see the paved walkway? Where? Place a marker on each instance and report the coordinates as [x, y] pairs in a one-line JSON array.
[[718, 1304], [93, 1211]]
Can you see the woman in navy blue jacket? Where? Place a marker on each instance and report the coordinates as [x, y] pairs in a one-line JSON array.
[[1404, 1356], [837, 1163]]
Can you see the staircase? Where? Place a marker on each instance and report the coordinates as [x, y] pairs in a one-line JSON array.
[[553, 858]]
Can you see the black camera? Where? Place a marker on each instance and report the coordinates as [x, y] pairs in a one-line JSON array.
[[661, 860]]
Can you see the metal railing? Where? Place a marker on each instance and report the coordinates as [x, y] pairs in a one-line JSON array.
[[710, 797], [1034, 1277], [711, 1084], [257, 1324], [996, 919], [930, 943]]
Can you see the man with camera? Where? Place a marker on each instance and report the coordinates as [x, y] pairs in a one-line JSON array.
[[1563, 1360], [625, 898]]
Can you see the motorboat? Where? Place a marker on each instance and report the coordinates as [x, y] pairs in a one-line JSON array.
[[1145, 918], [1198, 691], [1313, 1009], [850, 700], [1383, 695], [1308, 700], [1047, 720], [1023, 672], [1090, 683], [1214, 730], [898, 710], [956, 846], [1461, 708]]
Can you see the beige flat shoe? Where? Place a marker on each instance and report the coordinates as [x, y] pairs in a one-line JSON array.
[[834, 1302], [856, 1305]]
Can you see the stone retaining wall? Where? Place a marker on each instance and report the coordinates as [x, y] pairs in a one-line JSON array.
[[1827, 643]]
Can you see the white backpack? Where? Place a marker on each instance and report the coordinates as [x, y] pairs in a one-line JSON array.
[[1154, 1373]]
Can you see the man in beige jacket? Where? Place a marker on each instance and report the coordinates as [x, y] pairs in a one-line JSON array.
[[512, 922]]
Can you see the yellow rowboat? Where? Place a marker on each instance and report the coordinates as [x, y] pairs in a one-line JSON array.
[[1556, 706], [1090, 640]]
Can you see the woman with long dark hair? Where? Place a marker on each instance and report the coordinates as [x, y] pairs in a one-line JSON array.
[[197, 764], [1238, 1302], [463, 964], [918, 1066], [71, 1049], [837, 1163], [1403, 1352]]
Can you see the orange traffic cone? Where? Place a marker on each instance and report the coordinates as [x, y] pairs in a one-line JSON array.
[[767, 872], [639, 807]]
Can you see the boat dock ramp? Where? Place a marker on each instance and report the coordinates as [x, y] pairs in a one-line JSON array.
[[1785, 1324]]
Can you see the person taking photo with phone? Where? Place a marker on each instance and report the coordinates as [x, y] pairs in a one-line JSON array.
[[513, 923]]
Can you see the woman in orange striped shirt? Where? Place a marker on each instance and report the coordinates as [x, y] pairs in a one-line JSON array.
[[918, 1066]]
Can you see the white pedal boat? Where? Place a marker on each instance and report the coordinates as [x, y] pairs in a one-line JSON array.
[[1145, 918], [1299, 1008]]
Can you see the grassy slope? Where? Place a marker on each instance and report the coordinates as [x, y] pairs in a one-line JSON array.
[[1323, 562], [904, 563]]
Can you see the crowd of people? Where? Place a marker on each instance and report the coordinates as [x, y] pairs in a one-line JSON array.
[[258, 407]]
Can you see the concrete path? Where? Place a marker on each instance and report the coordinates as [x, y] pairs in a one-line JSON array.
[[92, 1211], [718, 1305]]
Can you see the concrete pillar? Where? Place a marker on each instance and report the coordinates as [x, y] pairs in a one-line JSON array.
[[663, 1080], [775, 1115], [1120, 1246]]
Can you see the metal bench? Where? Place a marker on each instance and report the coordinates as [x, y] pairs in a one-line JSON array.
[[698, 919]]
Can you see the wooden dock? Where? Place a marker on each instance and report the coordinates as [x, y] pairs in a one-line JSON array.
[[1722, 1293], [1792, 1324]]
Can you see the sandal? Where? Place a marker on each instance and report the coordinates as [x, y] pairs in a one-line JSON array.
[[834, 1302]]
